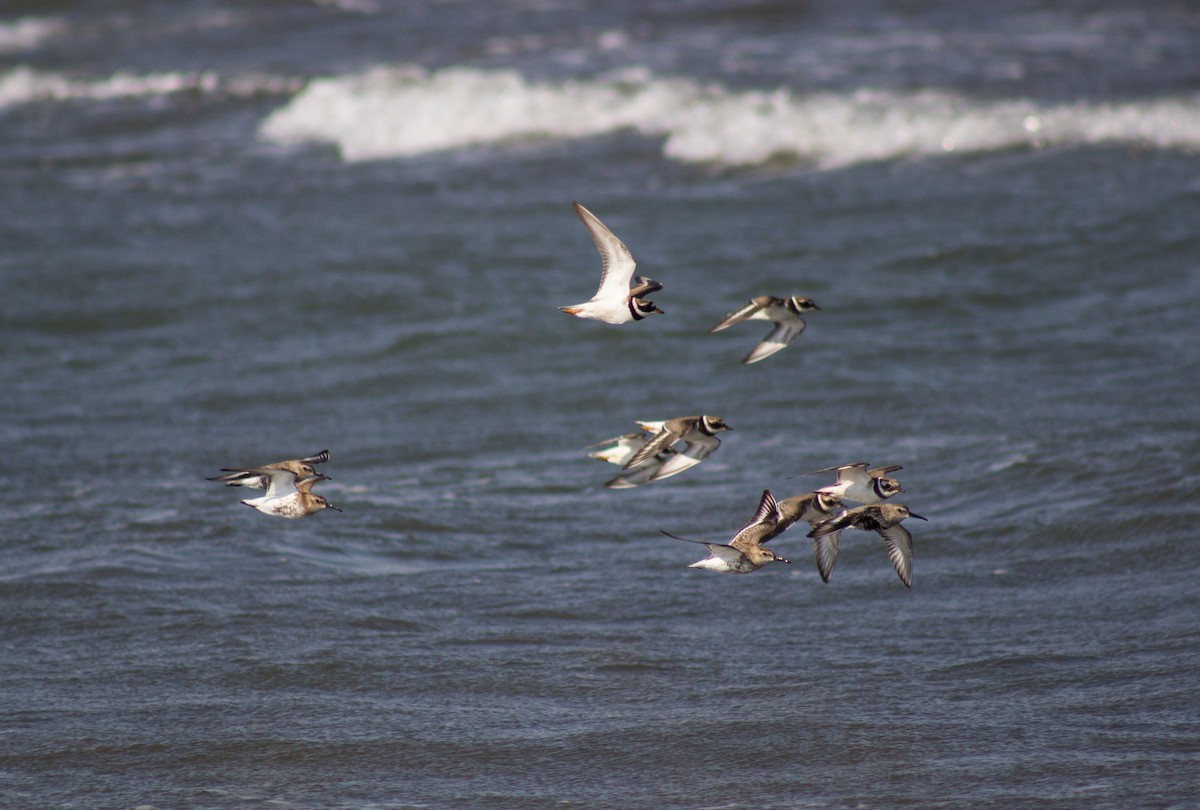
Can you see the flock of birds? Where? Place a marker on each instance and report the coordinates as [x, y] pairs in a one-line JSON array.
[[662, 449]]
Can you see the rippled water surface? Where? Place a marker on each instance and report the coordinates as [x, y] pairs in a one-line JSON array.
[[235, 233]]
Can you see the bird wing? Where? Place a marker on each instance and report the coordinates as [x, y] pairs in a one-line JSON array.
[[780, 336], [720, 550], [280, 482], [837, 468], [673, 466], [747, 310], [840, 521], [619, 449], [317, 458], [670, 432], [634, 478], [880, 472], [283, 482], [900, 551], [760, 524], [686, 539], [698, 447], [727, 553], [642, 474], [617, 262], [854, 474], [825, 551], [240, 478]]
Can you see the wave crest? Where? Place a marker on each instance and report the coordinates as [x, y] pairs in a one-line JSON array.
[[405, 111]]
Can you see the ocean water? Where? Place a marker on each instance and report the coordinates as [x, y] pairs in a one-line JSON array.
[[232, 233]]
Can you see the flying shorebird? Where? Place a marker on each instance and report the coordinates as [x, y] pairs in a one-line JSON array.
[[744, 552], [300, 466], [615, 301], [697, 434], [288, 495], [883, 518], [620, 449], [783, 312]]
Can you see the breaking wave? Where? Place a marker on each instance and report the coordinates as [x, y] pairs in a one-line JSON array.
[[391, 112]]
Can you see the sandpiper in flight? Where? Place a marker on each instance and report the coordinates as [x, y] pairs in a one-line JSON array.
[[883, 518], [288, 495], [744, 552]]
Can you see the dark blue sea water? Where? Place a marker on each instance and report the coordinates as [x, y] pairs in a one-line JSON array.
[[234, 232]]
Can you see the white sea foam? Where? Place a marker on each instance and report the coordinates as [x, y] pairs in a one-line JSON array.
[[405, 111], [24, 85], [26, 33]]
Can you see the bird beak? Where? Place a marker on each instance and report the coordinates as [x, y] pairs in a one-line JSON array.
[[918, 517], [659, 311], [782, 560], [570, 310], [334, 508]]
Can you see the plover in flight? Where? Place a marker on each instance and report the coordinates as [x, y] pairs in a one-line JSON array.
[[620, 449], [699, 441], [744, 552], [856, 483], [288, 495], [783, 312], [883, 518], [615, 302], [300, 466]]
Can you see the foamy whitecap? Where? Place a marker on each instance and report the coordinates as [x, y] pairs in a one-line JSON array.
[[405, 111]]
